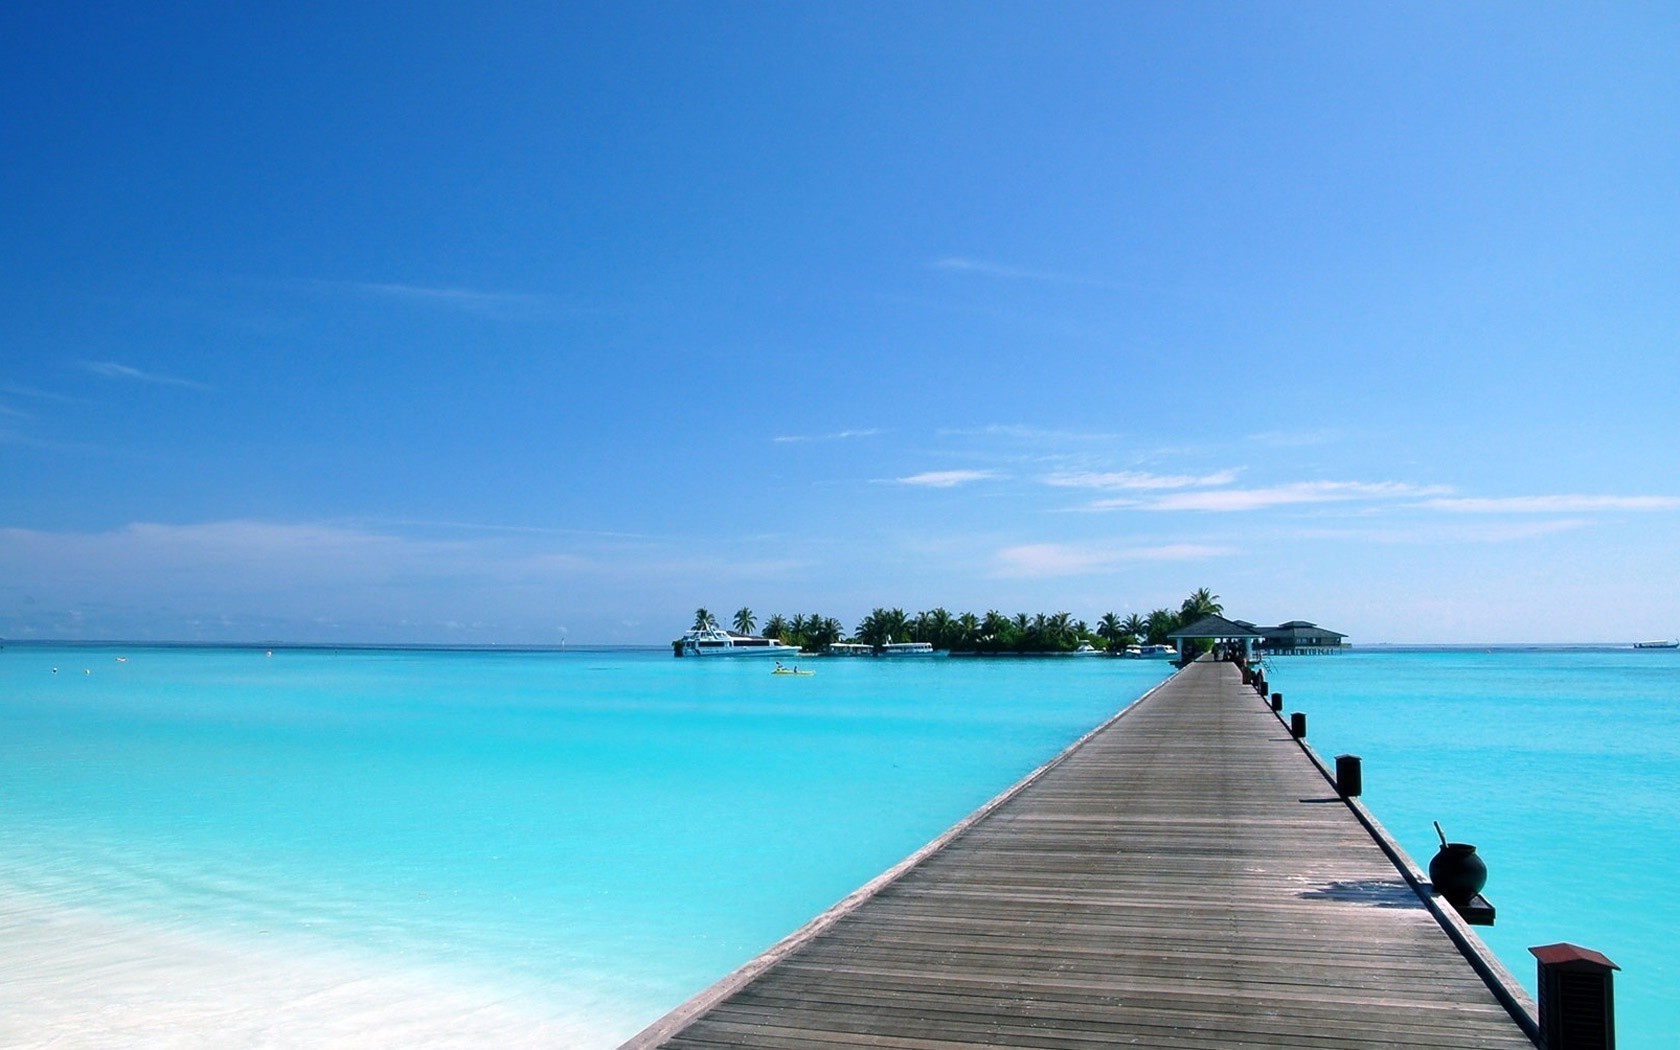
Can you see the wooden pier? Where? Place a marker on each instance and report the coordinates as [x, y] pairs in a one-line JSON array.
[[1184, 876]]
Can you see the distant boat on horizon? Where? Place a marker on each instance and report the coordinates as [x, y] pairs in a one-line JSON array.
[[1658, 644]]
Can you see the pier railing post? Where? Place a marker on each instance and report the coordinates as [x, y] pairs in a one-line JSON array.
[[1298, 724], [1350, 780], [1277, 701], [1577, 1000]]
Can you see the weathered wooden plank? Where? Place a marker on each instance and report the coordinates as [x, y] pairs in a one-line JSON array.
[[1182, 878]]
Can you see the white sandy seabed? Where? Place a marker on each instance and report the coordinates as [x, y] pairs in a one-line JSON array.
[[74, 977]]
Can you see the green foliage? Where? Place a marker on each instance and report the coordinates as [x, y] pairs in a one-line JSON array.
[[992, 633]]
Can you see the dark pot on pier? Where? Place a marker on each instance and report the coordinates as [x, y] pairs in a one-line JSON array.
[[1457, 873]]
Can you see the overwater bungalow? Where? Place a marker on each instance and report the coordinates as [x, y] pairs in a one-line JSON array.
[[1286, 639]]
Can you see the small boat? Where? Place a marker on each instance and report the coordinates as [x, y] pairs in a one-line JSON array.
[[792, 671], [1151, 652], [907, 649], [1087, 649], [1659, 644]]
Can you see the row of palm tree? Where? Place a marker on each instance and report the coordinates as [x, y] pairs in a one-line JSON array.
[[992, 633]]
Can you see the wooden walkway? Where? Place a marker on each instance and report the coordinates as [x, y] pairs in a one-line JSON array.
[[1183, 877]]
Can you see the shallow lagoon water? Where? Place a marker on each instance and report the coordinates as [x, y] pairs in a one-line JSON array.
[[555, 848], [586, 837]]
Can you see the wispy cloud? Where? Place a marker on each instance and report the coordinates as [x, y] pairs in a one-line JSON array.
[[841, 435], [1036, 435], [945, 479], [470, 298], [1300, 492], [958, 264], [37, 395], [1038, 560], [1439, 532], [1559, 504], [495, 304], [1295, 438], [1137, 480], [127, 373]]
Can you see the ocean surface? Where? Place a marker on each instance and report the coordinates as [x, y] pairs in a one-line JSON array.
[[1562, 767], [218, 846], [542, 848]]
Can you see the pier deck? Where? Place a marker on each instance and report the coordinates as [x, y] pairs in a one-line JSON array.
[[1184, 877]]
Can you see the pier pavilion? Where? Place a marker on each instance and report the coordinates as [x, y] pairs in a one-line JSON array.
[[1219, 631]]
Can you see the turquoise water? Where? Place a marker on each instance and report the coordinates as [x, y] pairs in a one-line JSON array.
[[590, 833], [595, 836], [1561, 766]]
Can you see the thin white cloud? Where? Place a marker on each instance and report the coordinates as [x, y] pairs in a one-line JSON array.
[[498, 305], [1466, 532], [840, 435], [128, 373], [1019, 432], [1295, 438], [1300, 492], [1558, 504], [945, 479], [1040, 560], [958, 264], [1138, 480], [30, 392], [472, 298]]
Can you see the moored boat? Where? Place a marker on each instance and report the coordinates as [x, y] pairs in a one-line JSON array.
[[907, 649], [714, 641], [1151, 652]]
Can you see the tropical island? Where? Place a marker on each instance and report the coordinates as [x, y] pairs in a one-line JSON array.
[[991, 634]]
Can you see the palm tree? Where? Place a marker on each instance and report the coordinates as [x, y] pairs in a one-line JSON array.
[[831, 631], [1058, 630], [939, 629], [1024, 633], [744, 620], [775, 627], [1201, 602], [994, 631], [1110, 630], [1134, 625], [876, 628], [967, 631], [1158, 625], [703, 619], [898, 625]]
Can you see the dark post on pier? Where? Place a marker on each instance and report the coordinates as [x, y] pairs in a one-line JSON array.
[[1577, 998], [1187, 875]]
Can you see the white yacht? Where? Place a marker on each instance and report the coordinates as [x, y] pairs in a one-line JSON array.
[[907, 649], [714, 641], [1151, 652]]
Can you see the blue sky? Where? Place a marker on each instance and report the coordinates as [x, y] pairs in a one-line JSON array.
[[365, 323]]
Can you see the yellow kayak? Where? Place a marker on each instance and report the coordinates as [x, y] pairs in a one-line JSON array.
[[793, 671]]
